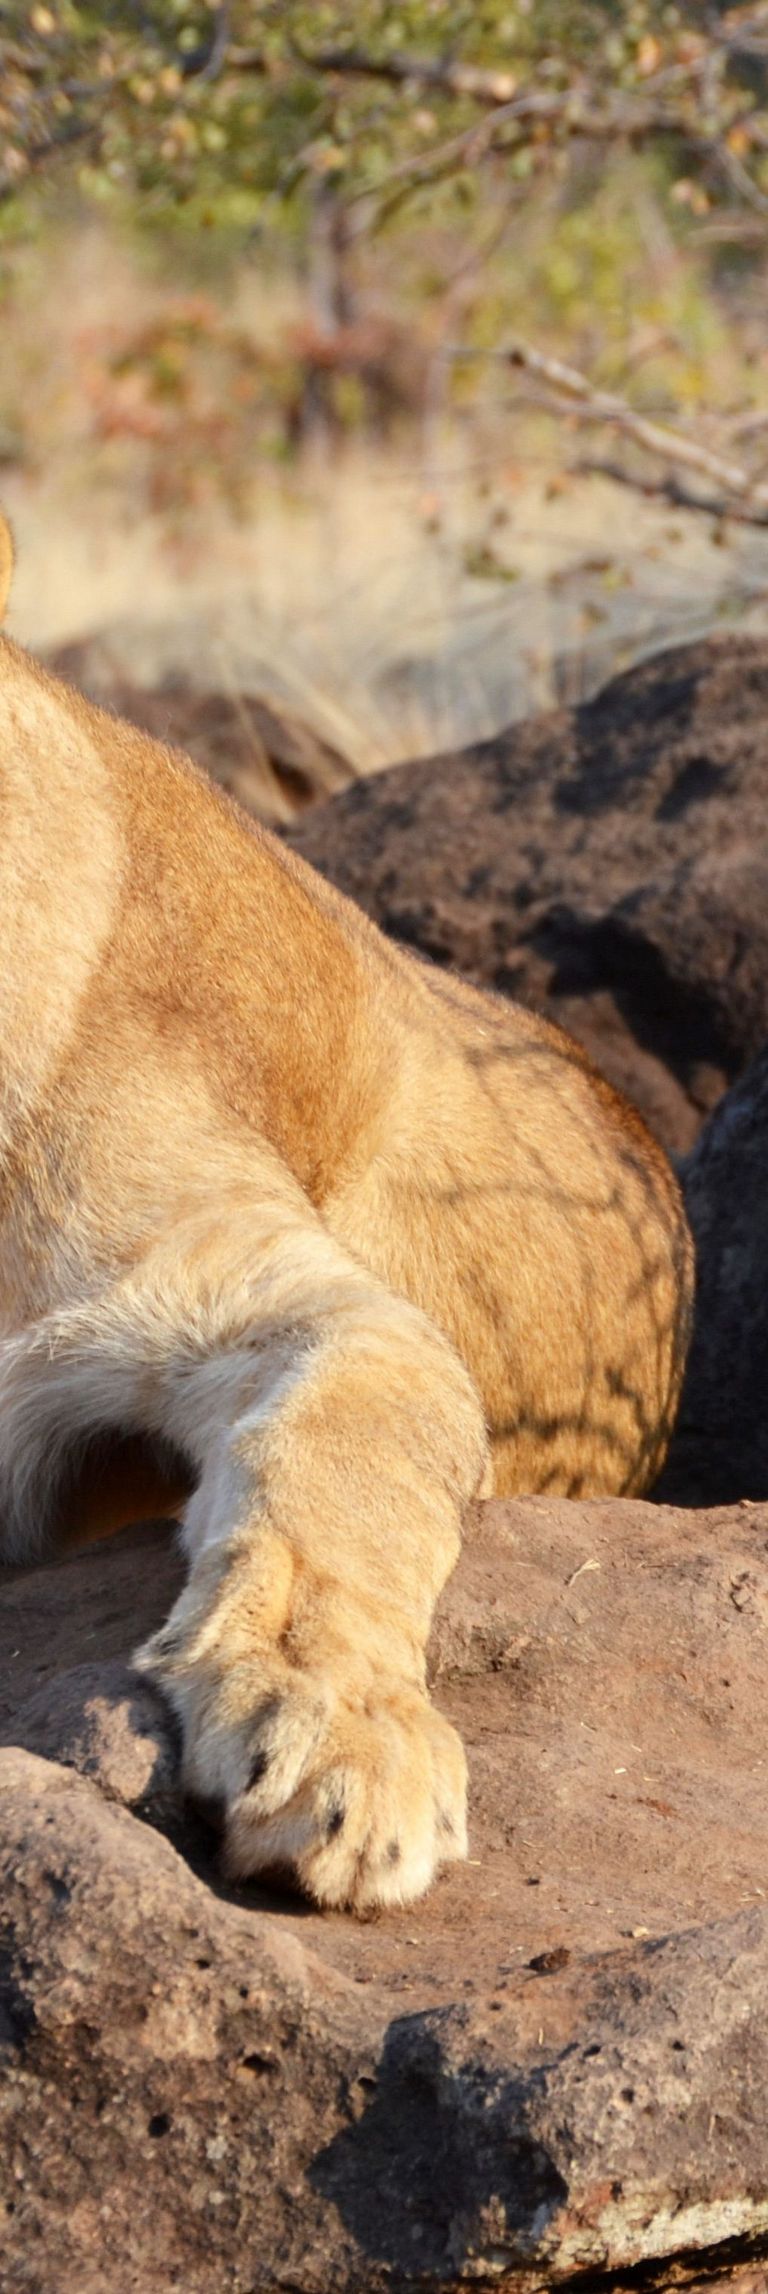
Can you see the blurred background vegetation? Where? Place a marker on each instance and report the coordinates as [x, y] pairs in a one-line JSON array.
[[408, 364]]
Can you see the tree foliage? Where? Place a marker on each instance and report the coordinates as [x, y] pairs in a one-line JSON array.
[[523, 152], [226, 109]]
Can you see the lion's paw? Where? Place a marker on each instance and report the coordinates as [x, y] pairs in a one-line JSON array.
[[359, 1798], [378, 1804]]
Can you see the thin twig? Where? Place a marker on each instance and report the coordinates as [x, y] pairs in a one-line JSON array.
[[578, 122], [485, 86], [669, 489], [70, 131], [581, 399], [208, 61], [742, 33]]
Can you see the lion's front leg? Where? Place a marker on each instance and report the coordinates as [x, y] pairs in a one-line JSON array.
[[305, 1717], [339, 1441]]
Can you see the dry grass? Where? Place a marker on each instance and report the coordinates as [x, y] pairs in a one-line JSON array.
[[405, 598]]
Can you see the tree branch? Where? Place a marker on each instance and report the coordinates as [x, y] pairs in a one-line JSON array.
[[743, 32], [36, 155], [579, 398], [668, 489], [688, 98], [485, 86]]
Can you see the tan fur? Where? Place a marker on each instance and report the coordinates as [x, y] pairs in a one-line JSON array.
[[6, 563], [280, 1198]]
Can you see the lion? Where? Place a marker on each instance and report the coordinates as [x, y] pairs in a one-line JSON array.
[[335, 1237]]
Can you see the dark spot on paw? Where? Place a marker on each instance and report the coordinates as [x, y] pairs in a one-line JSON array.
[[335, 1820], [257, 1770], [394, 1852], [446, 1824]]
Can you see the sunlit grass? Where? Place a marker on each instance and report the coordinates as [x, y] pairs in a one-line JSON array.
[[408, 595]]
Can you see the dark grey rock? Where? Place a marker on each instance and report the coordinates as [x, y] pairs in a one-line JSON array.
[[720, 1445], [606, 863]]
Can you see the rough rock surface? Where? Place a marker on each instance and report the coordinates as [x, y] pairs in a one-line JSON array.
[[606, 863], [256, 746], [720, 1445], [221, 2090]]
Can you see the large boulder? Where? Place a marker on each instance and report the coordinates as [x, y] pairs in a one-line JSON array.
[[720, 1445], [606, 863], [555, 2064]]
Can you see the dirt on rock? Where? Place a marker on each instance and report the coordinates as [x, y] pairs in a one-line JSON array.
[[553, 2063], [604, 863]]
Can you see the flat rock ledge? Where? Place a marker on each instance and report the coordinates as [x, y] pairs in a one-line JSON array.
[[553, 2072]]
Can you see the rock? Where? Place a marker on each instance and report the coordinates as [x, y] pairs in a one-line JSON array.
[[107, 1722], [258, 747], [554, 2064], [81, 1610], [719, 1448], [188, 2097], [605, 863]]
